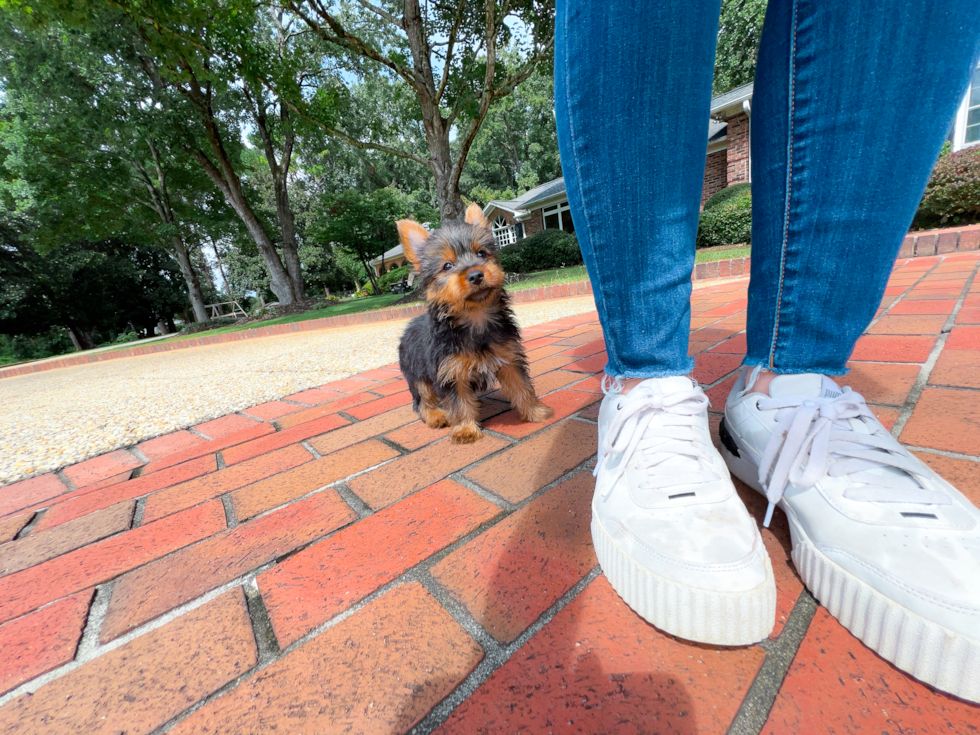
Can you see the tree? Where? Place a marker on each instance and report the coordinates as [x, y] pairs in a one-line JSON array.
[[517, 147], [364, 224], [88, 148], [446, 54], [739, 33]]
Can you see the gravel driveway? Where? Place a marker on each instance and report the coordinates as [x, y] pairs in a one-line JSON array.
[[60, 417]]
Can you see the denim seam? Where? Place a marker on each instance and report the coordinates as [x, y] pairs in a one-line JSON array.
[[789, 192], [599, 287]]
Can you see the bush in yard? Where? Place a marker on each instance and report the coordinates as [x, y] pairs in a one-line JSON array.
[[727, 223], [392, 277], [721, 197], [953, 193], [543, 250]]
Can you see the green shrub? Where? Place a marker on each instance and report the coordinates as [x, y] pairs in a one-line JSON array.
[[126, 337], [720, 197], [543, 250], [953, 193], [392, 277], [728, 223], [195, 327], [20, 348]]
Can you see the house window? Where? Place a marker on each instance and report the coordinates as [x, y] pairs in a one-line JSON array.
[[558, 217], [966, 130], [973, 110], [503, 233]]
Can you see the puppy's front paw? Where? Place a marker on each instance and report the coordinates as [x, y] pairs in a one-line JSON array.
[[466, 434], [435, 419], [538, 412]]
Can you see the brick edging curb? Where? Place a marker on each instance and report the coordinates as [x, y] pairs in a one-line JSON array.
[[941, 242]]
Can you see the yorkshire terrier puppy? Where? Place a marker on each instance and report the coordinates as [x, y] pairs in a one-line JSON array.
[[469, 338]]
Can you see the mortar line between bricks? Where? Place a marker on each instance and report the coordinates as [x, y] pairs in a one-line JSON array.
[[887, 309], [192, 430], [139, 454], [392, 445], [231, 519], [922, 379], [495, 658], [29, 526], [89, 641], [583, 466], [97, 650], [759, 699], [60, 474], [265, 636], [137, 520], [943, 453], [350, 497], [416, 573], [320, 629], [306, 445]]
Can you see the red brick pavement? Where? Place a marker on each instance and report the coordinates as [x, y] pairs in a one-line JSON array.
[[337, 566]]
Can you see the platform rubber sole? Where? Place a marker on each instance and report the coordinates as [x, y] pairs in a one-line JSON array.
[[705, 616], [926, 650]]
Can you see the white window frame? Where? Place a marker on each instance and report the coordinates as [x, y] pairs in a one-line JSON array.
[[503, 233], [959, 127], [561, 208]]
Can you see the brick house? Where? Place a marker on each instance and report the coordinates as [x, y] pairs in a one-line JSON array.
[[546, 206], [728, 162]]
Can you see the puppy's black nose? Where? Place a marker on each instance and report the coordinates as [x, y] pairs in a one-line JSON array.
[[475, 277]]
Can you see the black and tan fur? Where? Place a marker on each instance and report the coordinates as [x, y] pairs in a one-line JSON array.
[[468, 339]]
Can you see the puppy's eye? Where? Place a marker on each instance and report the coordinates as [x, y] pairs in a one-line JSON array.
[[482, 254], [448, 266]]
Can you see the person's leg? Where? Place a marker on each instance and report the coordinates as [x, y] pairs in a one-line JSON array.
[[632, 92], [852, 102], [632, 98], [851, 105]]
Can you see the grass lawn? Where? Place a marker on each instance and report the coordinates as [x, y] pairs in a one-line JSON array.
[[550, 278], [708, 256], [371, 303]]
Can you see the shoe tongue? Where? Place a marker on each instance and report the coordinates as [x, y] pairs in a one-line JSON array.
[[811, 385], [666, 386], [806, 385]]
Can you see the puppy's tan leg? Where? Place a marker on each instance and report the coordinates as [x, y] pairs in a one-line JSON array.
[[430, 409], [516, 385], [464, 409]]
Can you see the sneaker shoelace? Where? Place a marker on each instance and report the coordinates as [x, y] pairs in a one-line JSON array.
[[656, 448], [815, 437]]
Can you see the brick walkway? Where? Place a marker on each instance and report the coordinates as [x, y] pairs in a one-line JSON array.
[[343, 568]]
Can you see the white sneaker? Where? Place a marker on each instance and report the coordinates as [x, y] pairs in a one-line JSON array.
[[885, 544], [672, 536]]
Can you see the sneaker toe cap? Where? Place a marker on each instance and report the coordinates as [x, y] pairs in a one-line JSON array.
[[703, 557]]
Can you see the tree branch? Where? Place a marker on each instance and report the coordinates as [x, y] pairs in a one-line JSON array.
[[353, 141], [340, 36], [449, 51], [381, 13]]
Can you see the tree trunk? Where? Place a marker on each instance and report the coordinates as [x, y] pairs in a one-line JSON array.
[[194, 294], [75, 340], [371, 277], [279, 281], [451, 208], [279, 171], [290, 250]]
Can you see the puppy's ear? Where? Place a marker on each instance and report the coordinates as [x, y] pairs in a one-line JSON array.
[[412, 236], [474, 216]]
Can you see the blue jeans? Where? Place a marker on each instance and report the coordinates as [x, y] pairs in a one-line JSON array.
[[851, 104]]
